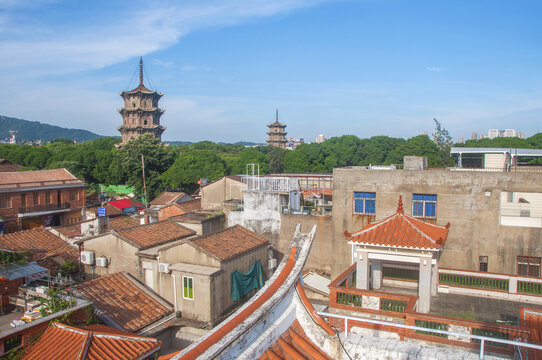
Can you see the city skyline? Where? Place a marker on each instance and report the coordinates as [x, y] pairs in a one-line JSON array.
[[333, 67]]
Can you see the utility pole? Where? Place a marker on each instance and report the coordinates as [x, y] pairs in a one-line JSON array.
[[144, 186]]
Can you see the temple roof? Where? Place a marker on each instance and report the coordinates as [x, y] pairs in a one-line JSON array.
[[401, 231]]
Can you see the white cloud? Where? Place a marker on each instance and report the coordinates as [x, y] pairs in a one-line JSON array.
[[89, 44], [437, 69], [165, 64]]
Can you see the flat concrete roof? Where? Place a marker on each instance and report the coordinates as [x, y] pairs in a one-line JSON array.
[[194, 269], [511, 151]]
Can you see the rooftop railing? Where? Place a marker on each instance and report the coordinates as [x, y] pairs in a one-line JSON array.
[[34, 184]]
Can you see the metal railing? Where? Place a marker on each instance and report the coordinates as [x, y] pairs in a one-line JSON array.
[[482, 339], [47, 207], [271, 184]]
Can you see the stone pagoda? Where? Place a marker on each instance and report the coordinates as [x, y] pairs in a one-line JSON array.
[[140, 114], [277, 135]]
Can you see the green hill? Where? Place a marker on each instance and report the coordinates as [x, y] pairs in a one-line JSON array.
[[34, 130]]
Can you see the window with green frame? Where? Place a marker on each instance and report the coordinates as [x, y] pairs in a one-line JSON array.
[[188, 288]]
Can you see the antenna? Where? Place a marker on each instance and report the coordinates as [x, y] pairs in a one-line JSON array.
[[141, 71]]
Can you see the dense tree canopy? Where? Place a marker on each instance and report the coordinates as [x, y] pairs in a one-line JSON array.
[[180, 167]]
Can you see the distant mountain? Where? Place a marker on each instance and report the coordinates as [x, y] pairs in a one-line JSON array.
[[34, 130]]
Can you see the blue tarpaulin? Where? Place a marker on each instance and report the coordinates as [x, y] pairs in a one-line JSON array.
[[242, 284]]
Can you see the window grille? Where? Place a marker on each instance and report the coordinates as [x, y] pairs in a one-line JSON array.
[[483, 263], [424, 205], [364, 203], [528, 266]]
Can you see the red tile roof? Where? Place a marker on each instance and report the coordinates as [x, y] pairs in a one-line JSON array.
[[40, 242], [403, 231], [124, 300], [167, 197], [150, 235], [67, 342], [531, 320], [126, 203], [21, 177], [122, 222], [230, 242], [294, 344], [190, 205]]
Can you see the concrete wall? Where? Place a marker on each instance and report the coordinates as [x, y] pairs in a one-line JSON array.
[[212, 294], [222, 298], [261, 213], [322, 246], [121, 256], [214, 194], [469, 201]]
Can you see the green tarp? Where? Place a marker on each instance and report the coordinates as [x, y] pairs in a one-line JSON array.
[[242, 284]]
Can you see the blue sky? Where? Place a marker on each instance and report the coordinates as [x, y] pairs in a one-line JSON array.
[[368, 67]]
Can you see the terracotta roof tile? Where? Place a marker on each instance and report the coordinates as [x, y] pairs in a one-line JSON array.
[[154, 234], [191, 205], [122, 222], [401, 230], [230, 242], [40, 242], [67, 342], [124, 300], [21, 177], [294, 344], [166, 198]]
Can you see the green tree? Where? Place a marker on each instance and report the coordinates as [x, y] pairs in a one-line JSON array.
[[275, 159], [296, 162], [191, 166], [249, 156], [157, 158]]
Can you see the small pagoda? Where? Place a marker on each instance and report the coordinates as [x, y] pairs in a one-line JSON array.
[[140, 114], [277, 135]]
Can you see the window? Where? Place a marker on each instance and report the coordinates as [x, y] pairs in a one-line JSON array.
[[188, 288], [13, 342], [5, 201], [483, 263], [364, 202], [73, 195], [23, 200], [47, 197], [528, 266], [35, 198], [424, 205]]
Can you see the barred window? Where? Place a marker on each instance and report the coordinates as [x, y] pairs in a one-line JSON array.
[[424, 205], [483, 263], [528, 266], [364, 203]]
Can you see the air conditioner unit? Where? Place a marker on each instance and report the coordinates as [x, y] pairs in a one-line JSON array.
[[272, 264], [87, 257], [101, 261], [163, 268]]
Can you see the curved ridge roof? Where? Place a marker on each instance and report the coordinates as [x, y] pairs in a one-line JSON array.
[[402, 231]]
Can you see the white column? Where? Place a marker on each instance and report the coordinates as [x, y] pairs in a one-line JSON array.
[[424, 285], [362, 271], [376, 268], [434, 279]]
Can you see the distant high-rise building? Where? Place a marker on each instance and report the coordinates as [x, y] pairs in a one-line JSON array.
[[320, 138], [140, 114], [277, 134], [473, 136], [480, 136], [460, 140], [495, 133]]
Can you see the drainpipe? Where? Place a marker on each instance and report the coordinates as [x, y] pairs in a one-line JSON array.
[[174, 292]]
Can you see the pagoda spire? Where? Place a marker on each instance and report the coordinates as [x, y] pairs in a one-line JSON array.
[[277, 116], [400, 205], [141, 71]]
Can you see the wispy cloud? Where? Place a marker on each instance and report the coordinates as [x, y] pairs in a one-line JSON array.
[[165, 64], [195, 68], [437, 69], [91, 45]]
